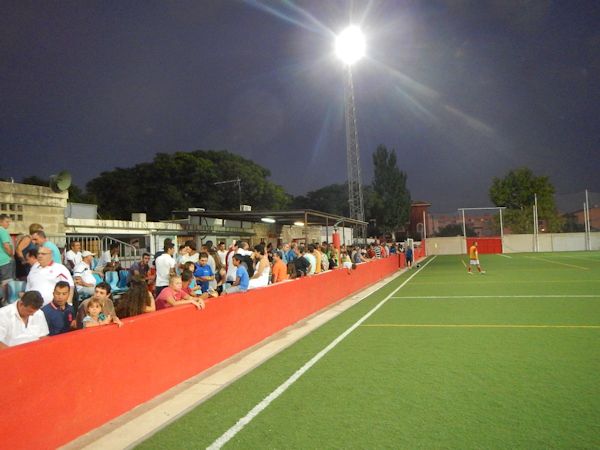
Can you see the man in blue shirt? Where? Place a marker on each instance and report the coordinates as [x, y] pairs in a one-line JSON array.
[[59, 314], [203, 272], [39, 238], [242, 279]]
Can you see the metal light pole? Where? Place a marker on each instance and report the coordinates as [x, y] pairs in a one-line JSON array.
[[355, 192], [350, 47]]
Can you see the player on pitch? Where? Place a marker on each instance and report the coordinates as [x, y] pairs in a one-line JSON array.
[[474, 259]]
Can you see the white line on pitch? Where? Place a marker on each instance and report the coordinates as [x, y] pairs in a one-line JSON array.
[[499, 296], [506, 256], [229, 434]]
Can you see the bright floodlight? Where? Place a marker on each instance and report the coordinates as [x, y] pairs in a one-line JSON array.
[[350, 45]]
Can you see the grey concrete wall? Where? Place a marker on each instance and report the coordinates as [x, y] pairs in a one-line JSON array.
[[33, 204]]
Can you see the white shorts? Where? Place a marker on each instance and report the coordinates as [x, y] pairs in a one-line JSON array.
[[474, 262]]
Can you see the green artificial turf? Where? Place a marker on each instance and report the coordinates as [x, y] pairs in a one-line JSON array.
[[440, 365]]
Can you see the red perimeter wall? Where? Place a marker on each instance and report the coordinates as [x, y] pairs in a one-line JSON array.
[[59, 388], [486, 245]]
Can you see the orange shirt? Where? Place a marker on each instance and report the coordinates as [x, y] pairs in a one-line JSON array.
[[473, 252], [279, 272]]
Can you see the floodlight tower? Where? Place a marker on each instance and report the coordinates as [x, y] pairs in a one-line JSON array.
[[350, 47]]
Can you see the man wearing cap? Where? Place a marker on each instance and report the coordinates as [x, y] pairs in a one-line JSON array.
[[83, 276]]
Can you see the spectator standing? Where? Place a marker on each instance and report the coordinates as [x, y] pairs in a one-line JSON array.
[[23, 321], [229, 267], [24, 245], [408, 255], [279, 268], [44, 275], [262, 274], [208, 248], [291, 254], [60, 316], [74, 255], [301, 263], [7, 263], [84, 279], [40, 239], [165, 268], [311, 258], [203, 272], [222, 253]]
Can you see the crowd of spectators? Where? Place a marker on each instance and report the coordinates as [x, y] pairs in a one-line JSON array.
[[68, 292]]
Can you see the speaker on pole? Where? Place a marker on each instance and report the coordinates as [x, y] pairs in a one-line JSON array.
[[60, 182]]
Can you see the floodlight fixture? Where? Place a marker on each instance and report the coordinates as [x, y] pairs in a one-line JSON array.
[[350, 45], [299, 224], [268, 220]]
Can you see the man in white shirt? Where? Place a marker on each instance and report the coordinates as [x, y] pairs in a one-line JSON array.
[[83, 275], [222, 252], [165, 267], [23, 321], [110, 256], [73, 256], [44, 275]]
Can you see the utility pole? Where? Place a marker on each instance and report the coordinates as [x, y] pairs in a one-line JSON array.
[[238, 181]]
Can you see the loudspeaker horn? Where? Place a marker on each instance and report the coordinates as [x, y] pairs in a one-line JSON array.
[[60, 182]]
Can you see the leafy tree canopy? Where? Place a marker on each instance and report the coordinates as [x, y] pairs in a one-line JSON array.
[[390, 199], [332, 199], [182, 180], [455, 229], [517, 191]]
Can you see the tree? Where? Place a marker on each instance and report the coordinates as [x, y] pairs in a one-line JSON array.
[[182, 180], [517, 191], [332, 199], [390, 201], [455, 229]]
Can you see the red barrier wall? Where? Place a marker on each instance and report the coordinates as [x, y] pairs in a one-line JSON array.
[[59, 388], [487, 245]]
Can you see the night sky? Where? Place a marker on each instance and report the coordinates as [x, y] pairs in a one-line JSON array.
[[463, 90]]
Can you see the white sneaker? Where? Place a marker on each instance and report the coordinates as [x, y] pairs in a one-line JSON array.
[[470, 273]]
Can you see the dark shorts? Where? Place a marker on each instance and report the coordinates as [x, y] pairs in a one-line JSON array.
[[7, 272]]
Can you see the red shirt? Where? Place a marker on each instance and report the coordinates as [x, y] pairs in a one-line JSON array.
[[161, 300]]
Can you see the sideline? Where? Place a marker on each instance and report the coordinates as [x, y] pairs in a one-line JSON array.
[[556, 262], [140, 423], [498, 296], [441, 325], [230, 434]]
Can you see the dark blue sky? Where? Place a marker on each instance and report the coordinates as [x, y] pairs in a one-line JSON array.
[[463, 90]]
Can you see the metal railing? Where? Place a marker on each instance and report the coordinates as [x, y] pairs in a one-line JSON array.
[[128, 254]]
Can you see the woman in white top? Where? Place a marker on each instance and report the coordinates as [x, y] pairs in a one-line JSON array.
[[262, 271]]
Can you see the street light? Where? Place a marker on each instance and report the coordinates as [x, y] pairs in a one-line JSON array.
[[350, 45], [350, 48]]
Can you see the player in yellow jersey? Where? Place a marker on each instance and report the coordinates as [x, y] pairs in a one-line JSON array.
[[474, 259]]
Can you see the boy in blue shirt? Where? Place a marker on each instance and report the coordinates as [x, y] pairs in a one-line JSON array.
[[242, 279], [203, 272]]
